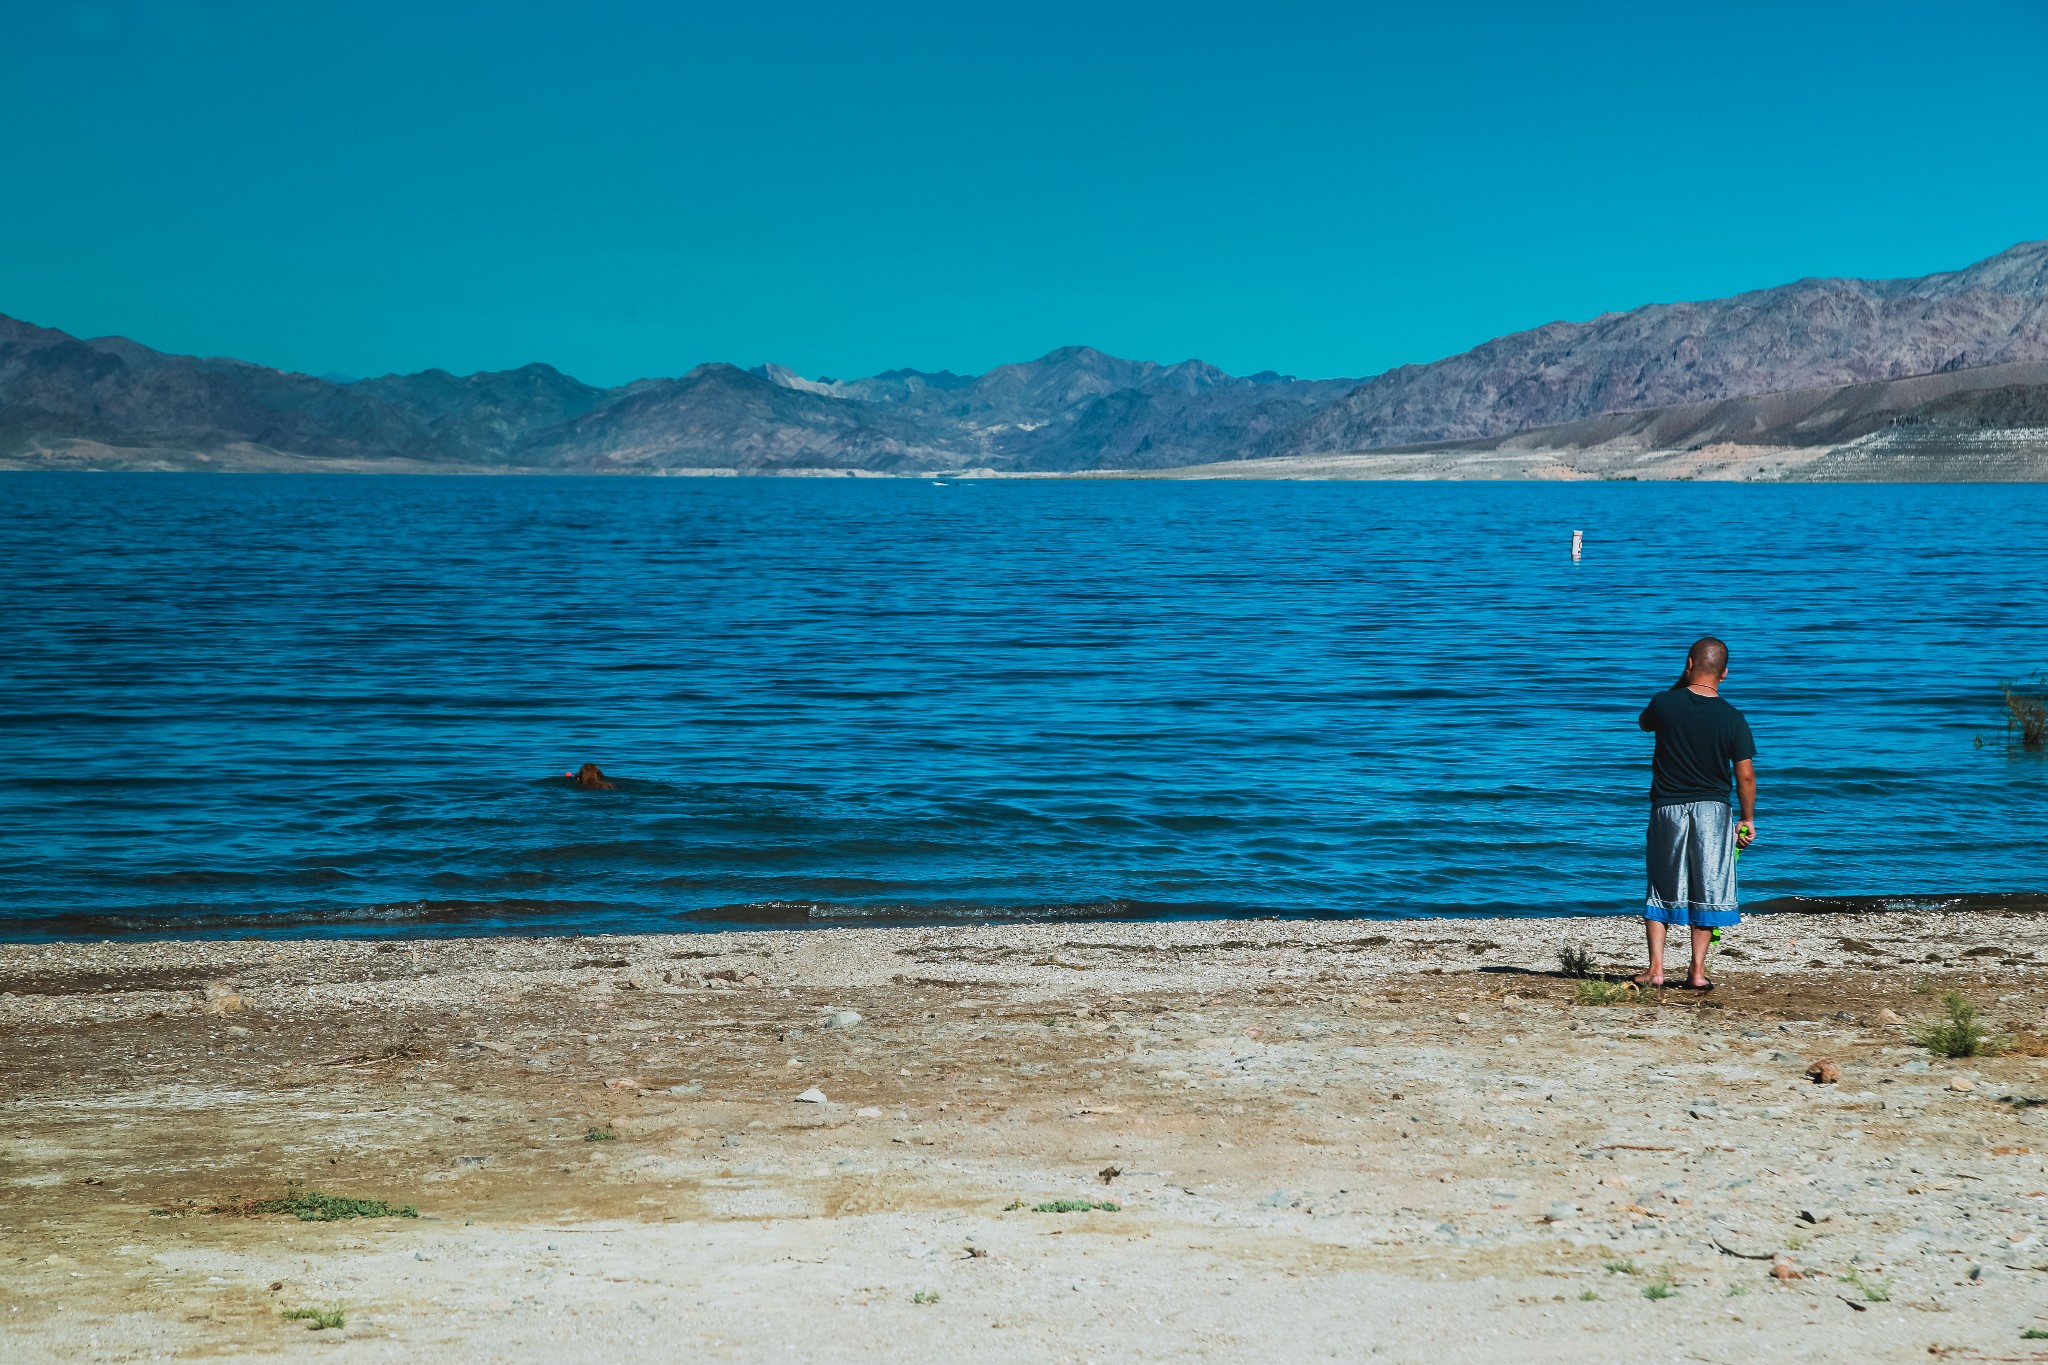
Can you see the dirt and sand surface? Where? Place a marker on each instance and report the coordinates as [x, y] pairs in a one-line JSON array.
[[1325, 1140]]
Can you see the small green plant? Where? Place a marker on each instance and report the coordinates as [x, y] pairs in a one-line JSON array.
[[1013, 1206], [1663, 1287], [2026, 715], [1077, 1206], [2034, 1334], [311, 1206], [1606, 993], [317, 1319], [1873, 1291], [1736, 1291], [1587, 1296], [1959, 1034], [1575, 960], [1924, 985], [1623, 1268], [925, 1296], [600, 1135], [1795, 1243]]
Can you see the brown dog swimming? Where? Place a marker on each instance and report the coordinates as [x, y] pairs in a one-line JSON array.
[[590, 777]]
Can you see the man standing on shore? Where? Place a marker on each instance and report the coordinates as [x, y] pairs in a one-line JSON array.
[[1702, 742]]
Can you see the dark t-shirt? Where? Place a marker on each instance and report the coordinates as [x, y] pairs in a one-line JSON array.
[[1699, 742]]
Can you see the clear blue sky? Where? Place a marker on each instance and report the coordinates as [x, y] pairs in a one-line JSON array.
[[629, 189]]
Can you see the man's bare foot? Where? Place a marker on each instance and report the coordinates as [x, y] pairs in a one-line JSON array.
[[1647, 980], [1699, 983]]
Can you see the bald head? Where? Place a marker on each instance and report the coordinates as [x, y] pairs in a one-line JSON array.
[[1708, 658]]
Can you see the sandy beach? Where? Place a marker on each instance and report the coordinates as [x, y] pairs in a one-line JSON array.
[[1387, 1141]]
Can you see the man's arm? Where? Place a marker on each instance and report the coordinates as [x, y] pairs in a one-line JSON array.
[[1643, 722], [1745, 789]]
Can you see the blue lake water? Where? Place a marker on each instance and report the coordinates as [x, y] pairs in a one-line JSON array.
[[344, 704]]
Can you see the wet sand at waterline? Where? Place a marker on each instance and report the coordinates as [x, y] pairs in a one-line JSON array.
[[1387, 1141]]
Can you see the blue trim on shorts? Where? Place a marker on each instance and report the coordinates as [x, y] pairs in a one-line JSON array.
[[1691, 916]]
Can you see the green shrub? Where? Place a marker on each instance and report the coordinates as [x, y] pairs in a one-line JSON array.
[[1606, 993], [1959, 1034], [316, 1319], [311, 1206], [1575, 960], [1076, 1206]]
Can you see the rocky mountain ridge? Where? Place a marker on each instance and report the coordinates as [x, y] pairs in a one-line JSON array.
[[111, 402]]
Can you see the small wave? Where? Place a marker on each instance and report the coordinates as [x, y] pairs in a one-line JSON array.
[[387, 916], [786, 912], [305, 876], [1974, 902]]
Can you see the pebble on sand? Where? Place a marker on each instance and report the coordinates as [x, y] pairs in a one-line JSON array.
[[811, 1096], [1824, 1071]]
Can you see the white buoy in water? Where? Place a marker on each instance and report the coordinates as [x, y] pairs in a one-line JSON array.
[[1578, 543]]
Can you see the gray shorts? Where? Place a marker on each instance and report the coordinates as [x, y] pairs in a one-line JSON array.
[[1691, 861]]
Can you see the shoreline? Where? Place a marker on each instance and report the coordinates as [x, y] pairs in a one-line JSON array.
[[2011, 462], [1401, 1136], [495, 919]]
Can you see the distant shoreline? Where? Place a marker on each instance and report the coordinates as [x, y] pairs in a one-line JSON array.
[[1991, 458]]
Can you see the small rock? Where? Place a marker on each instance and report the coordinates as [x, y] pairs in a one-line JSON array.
[[842, 1019], [868, 1113], [1890, 1016], [1560, 1212], [1462, 1017], [1824, 1071], [1783, 1269], [622, 1083], [1963, 1083], [812, 1096], [237, 1031], [1916, 1068], [690, 1089]]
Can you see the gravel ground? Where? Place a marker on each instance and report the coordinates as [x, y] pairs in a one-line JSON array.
[[1387, 1141]]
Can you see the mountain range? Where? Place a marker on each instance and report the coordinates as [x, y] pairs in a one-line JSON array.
[[109, 402]]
